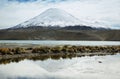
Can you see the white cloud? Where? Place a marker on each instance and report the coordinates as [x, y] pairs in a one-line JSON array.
[[103, 11]]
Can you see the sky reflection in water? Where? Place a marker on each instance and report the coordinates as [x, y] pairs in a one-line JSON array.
[[75, 68]]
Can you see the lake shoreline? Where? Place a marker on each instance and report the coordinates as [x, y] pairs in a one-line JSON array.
[[36, 43], [60, 51], [39, 55]]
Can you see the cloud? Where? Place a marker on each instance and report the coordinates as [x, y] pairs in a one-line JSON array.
[[22, 0], [106, 12], [103, 11]]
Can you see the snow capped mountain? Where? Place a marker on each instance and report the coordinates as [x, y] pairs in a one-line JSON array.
[[56, 17], [52, 17]]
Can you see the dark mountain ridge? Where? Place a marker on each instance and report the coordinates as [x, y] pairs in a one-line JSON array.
[[64, 33]]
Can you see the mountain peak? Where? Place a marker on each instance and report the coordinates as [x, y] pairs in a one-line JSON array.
[[52, 17], [54, 9]]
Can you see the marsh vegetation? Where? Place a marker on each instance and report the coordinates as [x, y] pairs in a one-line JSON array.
[[66, 49], [55, 52]]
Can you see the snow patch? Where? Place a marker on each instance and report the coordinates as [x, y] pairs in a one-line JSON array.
[[56, 17]]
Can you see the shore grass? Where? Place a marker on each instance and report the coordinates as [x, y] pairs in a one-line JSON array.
[[60, 49], [56, 52]]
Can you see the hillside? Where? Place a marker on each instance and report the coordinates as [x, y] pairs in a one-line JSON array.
[[58, 34]]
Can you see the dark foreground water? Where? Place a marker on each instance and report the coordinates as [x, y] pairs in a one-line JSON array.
[[96, 67]]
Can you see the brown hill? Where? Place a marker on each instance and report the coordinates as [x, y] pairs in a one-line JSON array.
[[58, 34]]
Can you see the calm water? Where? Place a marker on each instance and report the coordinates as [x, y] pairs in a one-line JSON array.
[[49, 42], [75, 68]]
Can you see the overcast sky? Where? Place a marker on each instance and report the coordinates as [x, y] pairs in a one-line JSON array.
[[107, 12]]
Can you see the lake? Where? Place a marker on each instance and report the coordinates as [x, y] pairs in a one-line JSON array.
[[75, 68], [54, 42], [95, 67]]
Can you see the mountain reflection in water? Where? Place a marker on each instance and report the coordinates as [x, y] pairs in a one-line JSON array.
[[75, 68]]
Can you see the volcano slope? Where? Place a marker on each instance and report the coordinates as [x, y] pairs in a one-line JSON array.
[[40, 33]]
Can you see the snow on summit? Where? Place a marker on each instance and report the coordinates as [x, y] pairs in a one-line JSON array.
[[56, 17], [52, 17]]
